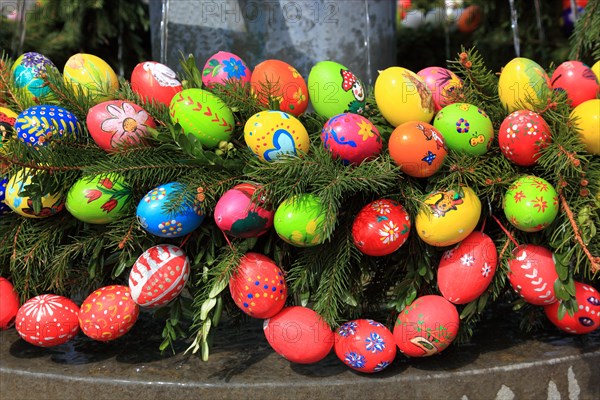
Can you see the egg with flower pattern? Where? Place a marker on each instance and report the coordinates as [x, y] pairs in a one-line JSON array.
[[155, 82], [587, 317], [100, 199], [522, 135], [466, 128], [29, 72], [224, 67], [37, 125], [277, 83], [351, 138], [531, 203]]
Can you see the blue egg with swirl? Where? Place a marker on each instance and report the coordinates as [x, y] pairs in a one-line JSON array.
[[37, 125]]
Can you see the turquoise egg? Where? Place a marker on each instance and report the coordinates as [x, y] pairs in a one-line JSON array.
[[28, 71], [36, 125]]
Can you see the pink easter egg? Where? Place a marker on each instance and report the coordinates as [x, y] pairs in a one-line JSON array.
[[238, 215], [351, 138], [442, 83], [223, 67]]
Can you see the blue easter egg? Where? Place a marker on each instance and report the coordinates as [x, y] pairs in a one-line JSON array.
[[37, 125], [153, 216], [3, 207], [28, 73]]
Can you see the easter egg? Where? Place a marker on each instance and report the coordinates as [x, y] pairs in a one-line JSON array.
[[335, 90], [443, 85], [300, 220], [155, 82], [466, 271], [447, 217], [275, 82], [158, 275], [351, 138], [403, 96], [238, 215], [4, 208], [273, 135], [596, 69], [258, 287], [224, 67], [530, 203], [47, 320], [202, 115], [100, 199], [426, 327], [380, 228], [365, 345], [117, 123], [155, 217], [7, 123], [299, 335], [469, 18], [28, 73], [108, 313], [466, 128], [37, 125], [91, 76], [52, 204], [418, 148], [578, 80], [522, 135], [9, 304], [523, 84], [532, 274], [587, 317], [586, 119]]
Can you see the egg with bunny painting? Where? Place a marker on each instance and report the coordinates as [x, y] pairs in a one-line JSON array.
[[273, 135]]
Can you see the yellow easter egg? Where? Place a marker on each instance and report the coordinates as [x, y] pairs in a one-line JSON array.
[[586, 118], [596, 69], [447, 217], [272, 135], [91, 76], [51, 204], [523, 84]]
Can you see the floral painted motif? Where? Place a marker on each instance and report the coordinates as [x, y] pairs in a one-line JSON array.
[[462, 126], [485, 270], [541, 186], [519, 196], [467, 260], [375, 323], [234, 68], [429, 157], [389, 232], [375, 343], [347, 329], [299, 96], [126, 123], [156, 194], [365, 130], [381, 207], [540, 204], [381, 366], [355, 360]]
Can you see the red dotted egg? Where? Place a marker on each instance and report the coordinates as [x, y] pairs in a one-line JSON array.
[[522, 135], [9, 304], [587, 317], [532, 274], [155, 82]]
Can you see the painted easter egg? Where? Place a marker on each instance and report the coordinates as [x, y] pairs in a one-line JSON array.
[[91, 76], [100, 199], [381, 227], [530, 203], [532, 274], [52, 204], [299, 335], [300, 220], [587, 317], [37, 125], [7, 123], [466, 271], [277, 83], [447, 217], [158, 275], [108, 313], [238, 215], [523, 84], [155, 82], [403, 96], [586, 119], [351, 138], [443, 85], [426, 327], [154, 216], [272, 135], [47, 320], [365, 345], [418, 148], [202, 115], [578, 80], [465, 128], [469, 18], [258, 287], [224, 67], [596, 69], [9, 304], [522, 135], [28, 73], [335, 90], [4, 208]]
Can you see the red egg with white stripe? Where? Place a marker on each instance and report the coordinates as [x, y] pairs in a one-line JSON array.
[[587, 317], [159, 275], [532, 274], [47, 320]]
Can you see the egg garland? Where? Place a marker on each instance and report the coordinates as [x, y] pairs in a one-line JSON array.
[[9, 304], [155, 82], [577, 79], [300, 220], [335, 90], [532, 274], [238, 215], [443, 85], [100, 199], [465, 128], [530, 203], [51, 204], [523, 84], [275, 82], [91, 76], [522, 135], [37, 125], [225, 67], [351, 138], [29, 74], [587, 317], [586, 119]]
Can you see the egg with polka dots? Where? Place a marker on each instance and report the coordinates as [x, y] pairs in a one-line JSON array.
[[37, 125], [159, 275], [273, 135], [258, 286]]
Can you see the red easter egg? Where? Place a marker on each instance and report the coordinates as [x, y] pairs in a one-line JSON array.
[[277, 81], [9, 304], [381, 227], [578, 80], [223, 67], [522, 135], [469, 19], [466, 271], [418, 148], [587, 317], [159, 275], [116, 123], [365, 345], [299, 335], [351, 138], [532, 274], [108, 313], [442, 83], [155, 82], [426, 327], [258, 287], [239, 216], [47, 320]]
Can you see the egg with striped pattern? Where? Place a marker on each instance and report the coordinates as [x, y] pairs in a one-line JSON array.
[[37, 125]]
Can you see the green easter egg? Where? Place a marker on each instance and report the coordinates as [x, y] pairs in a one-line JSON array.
[[98, 200], [333, 89], [530, 204], [203, 115], [299, 220], [465, 128]]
